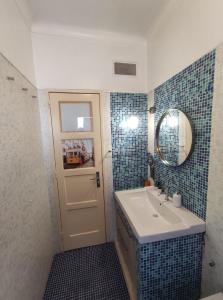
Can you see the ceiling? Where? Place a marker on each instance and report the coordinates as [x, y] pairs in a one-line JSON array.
[[134, 17]]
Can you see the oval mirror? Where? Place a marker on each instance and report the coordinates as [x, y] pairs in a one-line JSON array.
[[174, 137]]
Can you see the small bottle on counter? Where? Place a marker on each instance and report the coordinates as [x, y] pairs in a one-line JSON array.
[[177, 200], [148, 182]]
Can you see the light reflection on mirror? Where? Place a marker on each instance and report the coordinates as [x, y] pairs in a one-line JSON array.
[[172, 121], [174, 137], [130, 123]]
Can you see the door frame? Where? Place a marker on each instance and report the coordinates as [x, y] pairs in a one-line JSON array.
[[101, 107]]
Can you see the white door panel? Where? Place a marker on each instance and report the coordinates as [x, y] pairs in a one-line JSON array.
[[77, 145]]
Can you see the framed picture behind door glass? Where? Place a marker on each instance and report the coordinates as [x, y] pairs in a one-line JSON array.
[[78, 153]]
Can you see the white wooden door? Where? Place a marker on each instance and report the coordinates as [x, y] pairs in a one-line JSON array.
[[77, 146]]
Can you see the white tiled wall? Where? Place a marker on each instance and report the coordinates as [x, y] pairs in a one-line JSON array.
[[48, 155], [26, 235], [213, 276]]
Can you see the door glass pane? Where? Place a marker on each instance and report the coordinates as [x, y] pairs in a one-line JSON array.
[[78, 153], [76, 116]]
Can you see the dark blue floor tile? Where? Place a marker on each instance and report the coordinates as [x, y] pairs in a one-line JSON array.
[[92, 273]]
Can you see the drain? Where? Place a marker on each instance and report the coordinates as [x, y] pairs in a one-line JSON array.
[[155, 215]]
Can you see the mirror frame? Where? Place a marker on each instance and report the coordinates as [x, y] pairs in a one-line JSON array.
[[157, 146]]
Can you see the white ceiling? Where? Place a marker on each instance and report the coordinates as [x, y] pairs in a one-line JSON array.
[[134, 17]]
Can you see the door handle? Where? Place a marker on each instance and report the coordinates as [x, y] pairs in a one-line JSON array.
[[98, 179]]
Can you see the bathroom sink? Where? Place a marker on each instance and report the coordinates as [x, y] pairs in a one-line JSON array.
[[154, 219]]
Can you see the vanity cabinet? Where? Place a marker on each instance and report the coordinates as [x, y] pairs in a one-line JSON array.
[[163, 270]]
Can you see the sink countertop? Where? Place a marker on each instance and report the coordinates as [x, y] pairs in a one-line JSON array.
[[151, 221]]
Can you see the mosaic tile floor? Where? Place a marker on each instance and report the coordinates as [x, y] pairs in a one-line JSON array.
[[92, 273]]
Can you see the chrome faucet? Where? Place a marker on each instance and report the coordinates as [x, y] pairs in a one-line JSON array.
[[164, 191], [166, 199]]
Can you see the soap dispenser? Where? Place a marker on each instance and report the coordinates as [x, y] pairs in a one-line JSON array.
[[177, 200]]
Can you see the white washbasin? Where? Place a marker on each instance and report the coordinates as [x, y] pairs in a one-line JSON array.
[[151, 221]]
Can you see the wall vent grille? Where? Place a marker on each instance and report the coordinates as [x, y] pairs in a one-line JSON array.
[[124, 69]]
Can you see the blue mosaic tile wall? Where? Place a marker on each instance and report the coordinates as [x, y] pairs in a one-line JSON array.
[[129, 146], [168, 269], [192, 92]]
